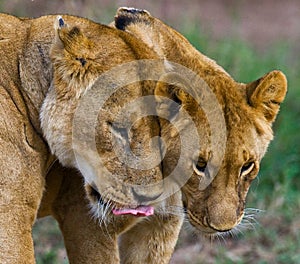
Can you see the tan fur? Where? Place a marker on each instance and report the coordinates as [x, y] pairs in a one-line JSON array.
[[249, 111], [79, 54], [44, 73]]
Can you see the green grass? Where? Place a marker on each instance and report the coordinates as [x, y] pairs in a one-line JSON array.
[[49, 246], [276, 190]]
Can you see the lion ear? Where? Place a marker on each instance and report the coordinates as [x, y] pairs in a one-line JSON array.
[[71, 39], [139, 23], [129, 16], [170, 95], [266, 93]]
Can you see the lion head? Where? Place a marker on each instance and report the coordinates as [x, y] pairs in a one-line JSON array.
[[87, 121], [233, 124], [215, 194]]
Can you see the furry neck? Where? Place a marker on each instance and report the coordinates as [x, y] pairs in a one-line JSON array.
[[35, 71]]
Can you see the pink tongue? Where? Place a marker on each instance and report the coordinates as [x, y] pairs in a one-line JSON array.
[[139, 211]]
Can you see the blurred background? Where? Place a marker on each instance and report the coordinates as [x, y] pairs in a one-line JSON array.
[[249, 39]]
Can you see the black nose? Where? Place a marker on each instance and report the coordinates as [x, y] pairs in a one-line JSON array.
[[142, 199]]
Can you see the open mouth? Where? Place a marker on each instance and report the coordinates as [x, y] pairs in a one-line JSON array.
[[140, 211]]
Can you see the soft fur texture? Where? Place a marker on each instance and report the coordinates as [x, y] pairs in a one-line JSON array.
[[248, 109], [44, 73], [80, 52]]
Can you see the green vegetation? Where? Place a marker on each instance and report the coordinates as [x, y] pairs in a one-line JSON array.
[[48, 242], [276, 190]]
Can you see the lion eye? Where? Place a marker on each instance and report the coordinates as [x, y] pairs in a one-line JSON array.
[[247, 168], [199, 167]]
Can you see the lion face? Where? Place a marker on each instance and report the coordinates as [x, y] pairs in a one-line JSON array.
[[89, 125], [214, 195], [223, 200]]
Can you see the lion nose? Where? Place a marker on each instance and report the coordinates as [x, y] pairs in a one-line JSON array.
[[221, 218], [144, 198], [221, 228]]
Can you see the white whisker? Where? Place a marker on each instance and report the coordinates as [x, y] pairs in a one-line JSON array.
[[249, 222]]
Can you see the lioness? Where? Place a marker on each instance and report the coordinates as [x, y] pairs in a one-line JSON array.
[[79, 55], [44, 74], [213, 205]]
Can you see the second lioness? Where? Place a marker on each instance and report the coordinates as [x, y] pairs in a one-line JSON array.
[[214, 205]]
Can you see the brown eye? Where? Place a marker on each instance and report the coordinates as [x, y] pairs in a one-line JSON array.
[[199, 167], [247, 168]]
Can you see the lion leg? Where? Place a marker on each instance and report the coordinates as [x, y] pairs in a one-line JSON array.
[[85, 240], [20, 196], [21, 188], [23, 158], [152, 240]]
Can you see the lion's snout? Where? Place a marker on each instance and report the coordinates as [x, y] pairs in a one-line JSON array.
[[144, 197], [222, 222], [222, 215]]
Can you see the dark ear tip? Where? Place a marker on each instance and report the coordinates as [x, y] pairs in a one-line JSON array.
[[131, 11], [61, 22], [126, 16]]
